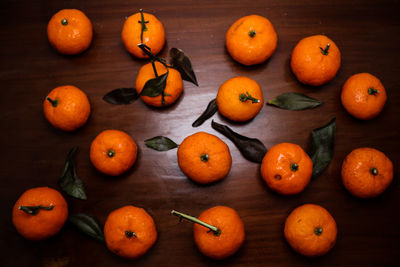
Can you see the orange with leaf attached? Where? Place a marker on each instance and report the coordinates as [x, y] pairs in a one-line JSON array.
[[143, 28]]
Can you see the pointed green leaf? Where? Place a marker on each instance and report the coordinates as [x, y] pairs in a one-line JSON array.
[[88, 225], [160, 143], [211, 109], [182, 63], [69, 180], [121, 96], [294, 101], [322, 146], [155, 86]]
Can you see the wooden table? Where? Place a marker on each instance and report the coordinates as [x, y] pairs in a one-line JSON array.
[[33, 152]]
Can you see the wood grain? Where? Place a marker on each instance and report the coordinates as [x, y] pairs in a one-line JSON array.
[[33, 153]]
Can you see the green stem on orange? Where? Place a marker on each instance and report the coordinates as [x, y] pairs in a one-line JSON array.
[[373, 171], [252, 33], [111, 153], [53, 102], [318, 231], [64, 22], [244, 98], [325, 51], [33, 210], [143, 22], [204, 157], [372, 91], [181, 216], [294, 167], [129, 234]]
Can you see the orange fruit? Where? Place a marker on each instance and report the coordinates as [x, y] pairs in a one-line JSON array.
[[310, 230], [204, 158], [130, 232], [366, 172], [363, 96], [69, 31], [153, 35], [66, 108], [231, 235], [286, 168], [315, 60], [113, 152], [172, 90], [240, 99], [39, 213], [251, 40]]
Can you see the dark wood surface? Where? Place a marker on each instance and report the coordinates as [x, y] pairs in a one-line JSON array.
[[33, 152]]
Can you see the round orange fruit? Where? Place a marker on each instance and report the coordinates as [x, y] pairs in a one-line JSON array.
[[143, 28], [315, 60], [70, 31], [130, 232], [240, 99], [367, 172], [173, 88], [204, 158], [363, 96], [39, 213], [227, 240], [66, 108], [251, 40], [113, 152], [286, 168]]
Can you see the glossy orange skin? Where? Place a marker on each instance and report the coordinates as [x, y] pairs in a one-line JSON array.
[[125, 152], [73, 38], [134, 219], [300, 226], [189, 158], [154, 37], [45, 223], [308, 63], [232, 235], [249, 50], [72, 110], [173, 88], [357, 177], [356, 99], [276, 169], [229, 104]]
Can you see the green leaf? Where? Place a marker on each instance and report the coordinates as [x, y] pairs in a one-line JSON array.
[[69, 180], [160, 143], [211, 109], [88, 225], [251, 148], [121, 96], [155, 86], [182, 63], [322, 146], [294, 101]]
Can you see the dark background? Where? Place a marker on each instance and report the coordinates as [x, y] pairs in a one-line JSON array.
[[33, 152]]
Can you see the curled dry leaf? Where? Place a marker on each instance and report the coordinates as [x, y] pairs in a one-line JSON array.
[[251, 148], [182, 63], [211, 109]]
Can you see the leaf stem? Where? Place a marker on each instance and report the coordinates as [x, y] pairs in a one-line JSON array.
[[129, 234], [33, 210], [143, 22], [372, 91], [318, 231], [252, 33], [244, 98], [53, 102], [373, 171], [181, 216], [325, 51]]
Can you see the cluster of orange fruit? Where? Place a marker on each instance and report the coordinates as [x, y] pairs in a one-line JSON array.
[[218, 232]]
